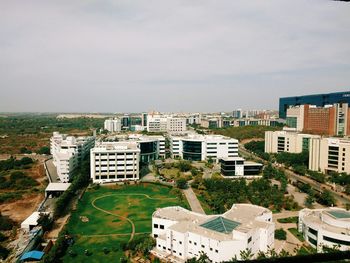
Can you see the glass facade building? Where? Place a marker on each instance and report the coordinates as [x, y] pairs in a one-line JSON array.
[[192, 150], [317, 99]]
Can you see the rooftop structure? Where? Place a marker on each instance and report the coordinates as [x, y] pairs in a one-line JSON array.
[[181, 234], [325, 227]]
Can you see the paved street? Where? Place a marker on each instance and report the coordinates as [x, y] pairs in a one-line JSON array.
[[193, 201]]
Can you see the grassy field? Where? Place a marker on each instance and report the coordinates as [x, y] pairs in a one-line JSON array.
[[296, 233], [104, 230]]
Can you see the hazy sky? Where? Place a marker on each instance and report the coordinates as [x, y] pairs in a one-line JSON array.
[[122, 56]]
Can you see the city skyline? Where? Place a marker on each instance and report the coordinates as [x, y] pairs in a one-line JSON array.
[[185, 56]]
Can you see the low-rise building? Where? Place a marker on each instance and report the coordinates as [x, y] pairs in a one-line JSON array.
[[327, 227], [115, 161], [237, 167], [182, 234]]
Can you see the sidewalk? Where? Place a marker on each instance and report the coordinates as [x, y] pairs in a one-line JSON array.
[[193, 201]]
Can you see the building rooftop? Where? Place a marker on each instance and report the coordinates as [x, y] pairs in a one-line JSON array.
[[115, 146], [241, 218], [220, 224]]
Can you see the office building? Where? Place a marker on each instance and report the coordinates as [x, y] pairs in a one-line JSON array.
[[330, 154], [237, 167], [176, 124], [68, 152], [317, 99], [237, 114], [114, 162], [328, 120], [285, 141], [113, 125], [182, 234], [198, 147], [327, 227]]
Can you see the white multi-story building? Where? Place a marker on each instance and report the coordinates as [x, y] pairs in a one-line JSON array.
[[284, 141], [176, 124], [197, 147], [327, 227], [67, 153], [182, 234], [113, 125], [162, 123], [157, 123], [295, 118], [330, 154], [115, 161]]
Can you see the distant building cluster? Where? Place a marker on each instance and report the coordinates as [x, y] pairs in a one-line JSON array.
[[68, 152], [182, 234]]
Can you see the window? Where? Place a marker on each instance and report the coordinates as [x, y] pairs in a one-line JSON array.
[[180, 242], [155, 225], [249, 239], [313, 231], [211, 249], [195, 243], [180, 254], [337, 241], [190, 242], [164, 248], [203, 246], [216, 251], [155, 235], [161, 226]]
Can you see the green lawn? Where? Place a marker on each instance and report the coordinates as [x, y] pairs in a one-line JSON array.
[[127, 201], [295, 232], [293, 219]]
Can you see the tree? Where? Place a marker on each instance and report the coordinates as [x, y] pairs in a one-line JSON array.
[[181, 183], [25, 150], [44, 150], [280, 234], [246, 254], [327, 198], [309, 200]]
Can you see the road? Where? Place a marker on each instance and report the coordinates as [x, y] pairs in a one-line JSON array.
[[193, 201], [340, 197]]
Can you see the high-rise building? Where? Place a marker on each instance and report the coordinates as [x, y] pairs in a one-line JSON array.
[[328, 120], [317, 99], [237, 114]]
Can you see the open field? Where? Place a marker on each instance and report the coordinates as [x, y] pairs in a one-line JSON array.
[[113, 214], [25, 201]]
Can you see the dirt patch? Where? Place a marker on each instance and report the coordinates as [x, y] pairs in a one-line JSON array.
[[19, 210], [84, 219]]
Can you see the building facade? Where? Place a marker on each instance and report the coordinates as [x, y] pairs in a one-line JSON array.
[[329, 120], [237, 167], [197, 147], [113, 125], [327, 227], [114, 162], [317, 99], [68, 152], [330, 154], [182, 234], [286, 141]]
